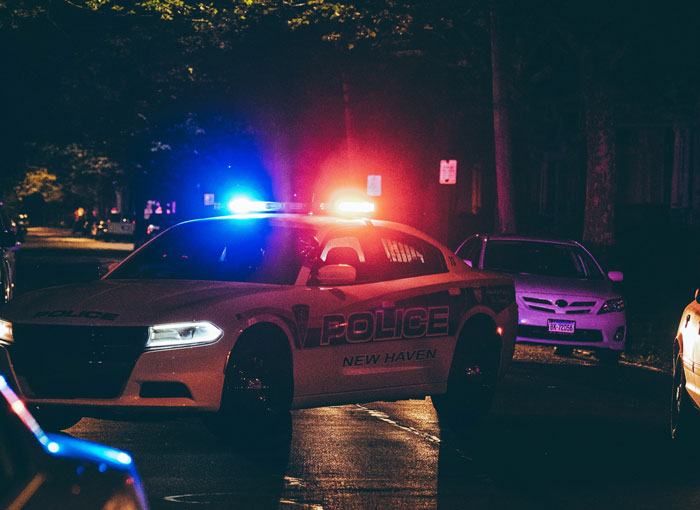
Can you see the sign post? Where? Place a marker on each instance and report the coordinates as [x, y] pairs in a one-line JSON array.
[[448, 171]]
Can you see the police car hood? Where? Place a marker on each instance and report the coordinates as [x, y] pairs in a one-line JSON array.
[[131, 302], [536, 284]]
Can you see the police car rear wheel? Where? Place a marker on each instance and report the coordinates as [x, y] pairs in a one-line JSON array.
[[682, 411], [258, 386], [473, 375]]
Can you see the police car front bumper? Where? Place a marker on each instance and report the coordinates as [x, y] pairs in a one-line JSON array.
[[172, 380]]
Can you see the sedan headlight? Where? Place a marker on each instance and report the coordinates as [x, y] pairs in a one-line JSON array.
[[182, 334], [612, 305], [6, 337]]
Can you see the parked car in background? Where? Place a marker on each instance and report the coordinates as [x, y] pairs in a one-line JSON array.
[[22, 223], [564, 297], [39, 471], [8, 246], [115, 228]]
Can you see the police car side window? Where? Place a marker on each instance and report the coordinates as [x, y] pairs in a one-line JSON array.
[[349, 247], [407, 256]]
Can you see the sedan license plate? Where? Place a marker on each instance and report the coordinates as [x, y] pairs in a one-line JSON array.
[[562, 327]]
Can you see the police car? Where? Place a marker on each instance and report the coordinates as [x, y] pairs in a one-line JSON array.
[[241, 318]]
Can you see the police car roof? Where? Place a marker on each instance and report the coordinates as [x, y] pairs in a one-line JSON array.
[[322, 223]]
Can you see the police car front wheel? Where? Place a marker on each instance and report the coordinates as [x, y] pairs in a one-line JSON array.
[[259, 385]]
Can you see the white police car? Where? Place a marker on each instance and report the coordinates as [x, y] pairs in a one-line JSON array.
[[244, 317]]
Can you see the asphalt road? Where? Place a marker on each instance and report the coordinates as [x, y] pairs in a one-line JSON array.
[[563, 433]]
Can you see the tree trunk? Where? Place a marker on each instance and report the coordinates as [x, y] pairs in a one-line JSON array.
[[599, 224], [505, 221]]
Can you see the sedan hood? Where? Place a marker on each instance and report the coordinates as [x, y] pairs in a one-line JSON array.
[[525, 283], [127, 302]]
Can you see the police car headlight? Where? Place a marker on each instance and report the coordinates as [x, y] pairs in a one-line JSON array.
[[612, 305], [182, 334], [6, 337]]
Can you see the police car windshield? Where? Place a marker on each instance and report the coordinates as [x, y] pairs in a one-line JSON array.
[[540, 258], [235, 250]]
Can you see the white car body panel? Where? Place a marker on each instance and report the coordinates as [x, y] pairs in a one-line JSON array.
[[687, 336]]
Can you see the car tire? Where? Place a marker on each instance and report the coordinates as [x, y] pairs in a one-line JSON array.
[[258, 388], [683, 413], [608, 357], [55, 420], [473, 375]]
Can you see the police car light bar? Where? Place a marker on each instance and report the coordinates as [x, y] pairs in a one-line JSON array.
[[247, 206], [348, 207]]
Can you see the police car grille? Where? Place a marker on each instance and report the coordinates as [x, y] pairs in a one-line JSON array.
[[75, 361]]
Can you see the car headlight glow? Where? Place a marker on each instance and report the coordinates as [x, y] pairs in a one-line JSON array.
[[6, 337], [612, 305], [182, 334]]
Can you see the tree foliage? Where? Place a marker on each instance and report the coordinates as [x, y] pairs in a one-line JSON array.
[[40, 182]]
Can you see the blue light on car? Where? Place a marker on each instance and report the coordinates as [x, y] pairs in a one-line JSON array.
[[53, 447], [245, 205], [241, 205]]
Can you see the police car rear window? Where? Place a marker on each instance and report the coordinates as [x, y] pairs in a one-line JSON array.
[[241, 250]]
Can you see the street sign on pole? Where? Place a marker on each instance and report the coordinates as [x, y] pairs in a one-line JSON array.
[[448, 171]]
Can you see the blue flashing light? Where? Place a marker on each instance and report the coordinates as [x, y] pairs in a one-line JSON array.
[[246, 205], [53, 447]]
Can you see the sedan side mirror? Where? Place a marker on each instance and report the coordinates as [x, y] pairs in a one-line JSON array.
[[336, 274], [616, 276]]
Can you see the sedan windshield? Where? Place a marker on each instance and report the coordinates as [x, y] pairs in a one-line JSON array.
[[234, 250], [540, 258]]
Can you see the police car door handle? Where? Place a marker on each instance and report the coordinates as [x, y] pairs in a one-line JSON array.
[[454, 291]]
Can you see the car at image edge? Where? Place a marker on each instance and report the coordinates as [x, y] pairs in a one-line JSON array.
[[40, 471], [685, 395], [242, 318], [564, 297]]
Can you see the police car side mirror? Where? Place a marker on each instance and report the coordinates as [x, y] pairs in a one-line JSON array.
[[336, 274], [616, 276]]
